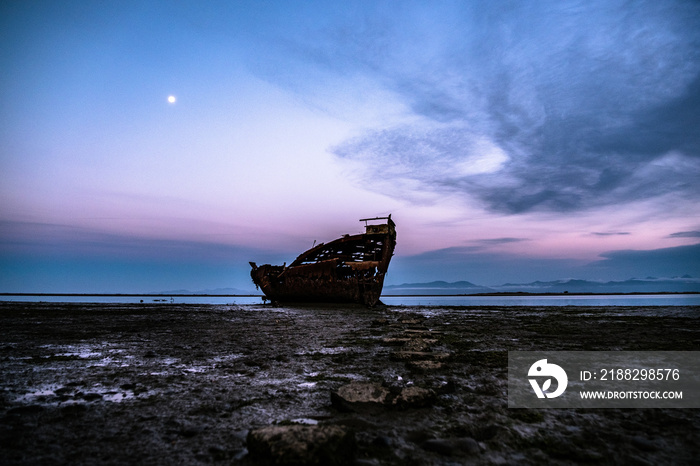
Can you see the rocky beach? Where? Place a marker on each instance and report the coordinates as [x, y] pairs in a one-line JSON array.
[[256, 384]]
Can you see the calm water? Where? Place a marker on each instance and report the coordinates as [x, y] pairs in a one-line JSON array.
[[609, 300]]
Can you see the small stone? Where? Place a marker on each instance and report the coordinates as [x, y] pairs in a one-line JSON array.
[[423, 332], [419, 344], [414, 397], [424, 366], [359, 396], [418, 355], [393, 341], [302, 444]]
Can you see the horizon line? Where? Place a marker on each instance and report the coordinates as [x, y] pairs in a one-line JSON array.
[[499, 293]]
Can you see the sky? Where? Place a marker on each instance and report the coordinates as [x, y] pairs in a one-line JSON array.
[[161, 145]]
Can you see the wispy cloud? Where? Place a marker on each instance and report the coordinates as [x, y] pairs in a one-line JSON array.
[[610, 233], [685, 234], [556, 106], [501, 240]]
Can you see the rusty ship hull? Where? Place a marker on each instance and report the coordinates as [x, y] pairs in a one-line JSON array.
[[350, 269]]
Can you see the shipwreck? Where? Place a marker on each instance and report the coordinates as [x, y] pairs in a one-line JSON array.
[[350, 269]]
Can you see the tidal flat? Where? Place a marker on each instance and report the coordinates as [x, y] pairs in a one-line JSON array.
[[186, 384]]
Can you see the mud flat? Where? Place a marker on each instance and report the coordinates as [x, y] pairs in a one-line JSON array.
[[200, 384]]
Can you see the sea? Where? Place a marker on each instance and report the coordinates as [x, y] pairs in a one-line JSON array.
[[636, 300]]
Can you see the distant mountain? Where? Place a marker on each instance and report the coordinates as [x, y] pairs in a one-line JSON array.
[[633, 285], [437, 288]]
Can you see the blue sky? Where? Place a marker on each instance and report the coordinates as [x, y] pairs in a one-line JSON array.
[[511, 141]]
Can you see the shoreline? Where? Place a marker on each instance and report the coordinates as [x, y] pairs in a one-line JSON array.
[[500, 293]]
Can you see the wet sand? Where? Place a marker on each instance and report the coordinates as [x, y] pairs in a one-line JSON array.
[[184, 384]]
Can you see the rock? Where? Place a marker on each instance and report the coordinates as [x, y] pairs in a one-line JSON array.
[[420, 344], [424, 365], [452, 446], [414, 397], [421, 332], [418, 355], [302, 444], [358, 396], [394, 341], [371, 397]]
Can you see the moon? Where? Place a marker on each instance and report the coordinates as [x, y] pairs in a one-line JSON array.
[[171, 99]]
